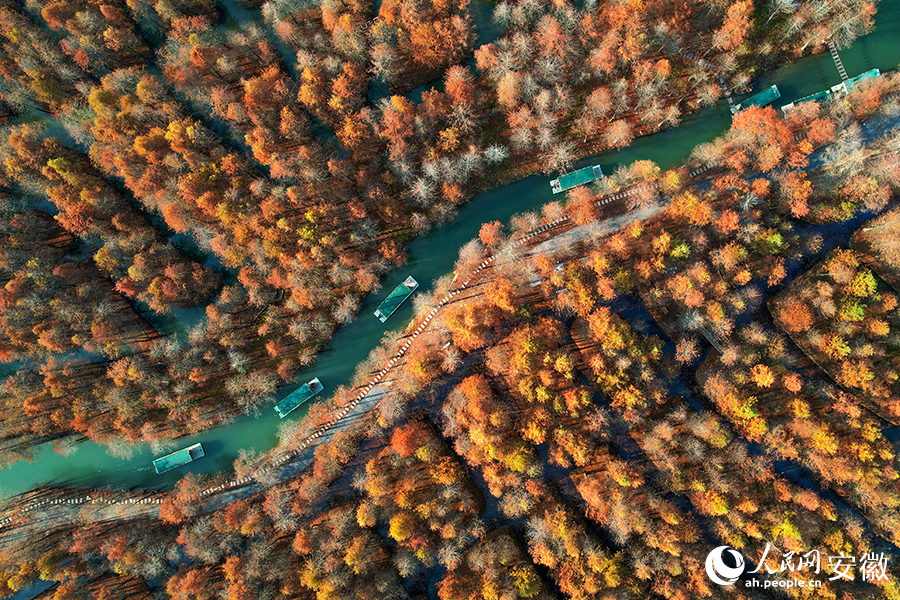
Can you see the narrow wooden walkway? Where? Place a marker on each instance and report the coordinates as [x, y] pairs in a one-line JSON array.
[[837, 60]]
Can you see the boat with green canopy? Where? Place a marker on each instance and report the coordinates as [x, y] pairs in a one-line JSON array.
[[855, 82], [576, 178], [767, 96], [178, 458], [298, 397], [396, 298]]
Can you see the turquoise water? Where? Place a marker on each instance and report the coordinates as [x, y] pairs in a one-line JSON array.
[[431, 256]]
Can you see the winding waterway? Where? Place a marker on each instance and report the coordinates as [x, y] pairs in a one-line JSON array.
[[430, 256]]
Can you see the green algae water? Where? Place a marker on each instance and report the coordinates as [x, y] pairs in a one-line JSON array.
[[430, 256]]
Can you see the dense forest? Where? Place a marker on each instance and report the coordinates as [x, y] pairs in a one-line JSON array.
[[597, 411], [255, 170]]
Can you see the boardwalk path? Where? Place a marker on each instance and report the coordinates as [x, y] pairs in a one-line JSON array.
[[44, 512]]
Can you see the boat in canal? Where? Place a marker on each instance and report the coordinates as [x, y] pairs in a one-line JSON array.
[[819, 97], [767, 96], [179, 458], [396, 298], [841, 88], [435, 254], [298, 397], [576, 178], [854, 82]]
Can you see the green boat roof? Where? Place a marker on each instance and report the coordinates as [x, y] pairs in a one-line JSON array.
[[861, 77], [396, 298], [178, 458], [767, 96], [298, 397], [817, 97], [846, 86], [576, 178]]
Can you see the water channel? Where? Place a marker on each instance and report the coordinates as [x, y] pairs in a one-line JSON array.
[[430, 256]]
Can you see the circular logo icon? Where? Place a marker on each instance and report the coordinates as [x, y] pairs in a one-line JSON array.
[[718, 571]]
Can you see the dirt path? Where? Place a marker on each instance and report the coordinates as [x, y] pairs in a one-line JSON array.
[[583, 233]]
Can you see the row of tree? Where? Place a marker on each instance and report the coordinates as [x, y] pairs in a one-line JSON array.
[[143, 263], [565, 419], [300, 177]]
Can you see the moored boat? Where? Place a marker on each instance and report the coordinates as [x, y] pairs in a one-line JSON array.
[[396, 298], [298, 397], [178, 458]]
